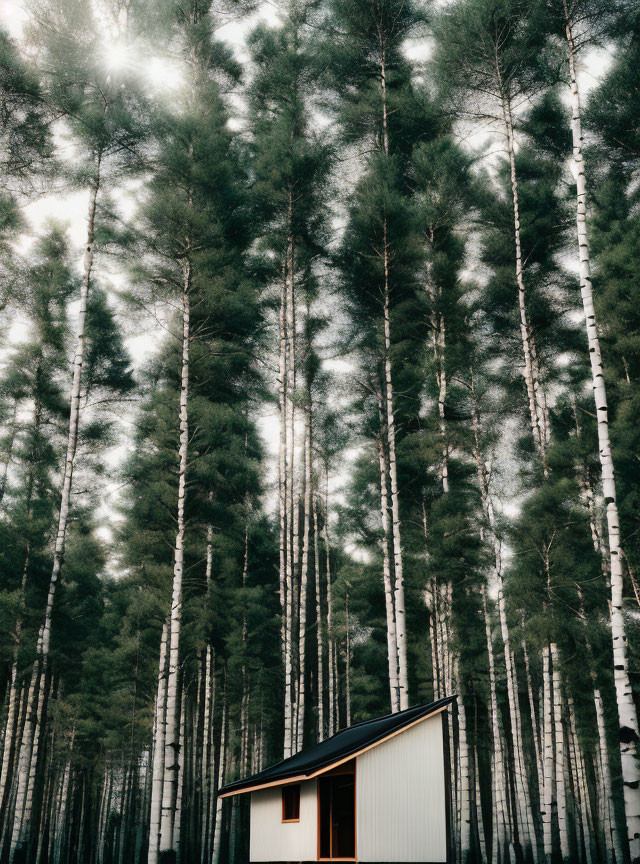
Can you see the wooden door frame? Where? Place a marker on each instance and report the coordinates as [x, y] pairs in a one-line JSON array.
[[336, 772]]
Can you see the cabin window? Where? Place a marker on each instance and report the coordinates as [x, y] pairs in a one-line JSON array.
[[337, 813], [291, 803]]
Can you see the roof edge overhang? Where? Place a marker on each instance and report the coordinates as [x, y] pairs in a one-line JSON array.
[[300, 777]]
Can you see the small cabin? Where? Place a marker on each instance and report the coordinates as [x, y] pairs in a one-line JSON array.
[[374, 792]]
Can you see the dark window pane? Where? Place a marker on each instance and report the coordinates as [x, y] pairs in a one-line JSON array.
[[290, 803]]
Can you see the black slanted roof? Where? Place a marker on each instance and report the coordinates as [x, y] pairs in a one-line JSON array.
[[348, 742]]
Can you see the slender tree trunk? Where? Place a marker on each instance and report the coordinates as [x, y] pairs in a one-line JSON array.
[[172, 731], [548, 752], [74, 416], [347, 682], [282, 472], [333, 684], [222, 764], [559, 752], [482, 839], [319, 621], [401, 632], [465, 790], [392, 644], [291, 503], [304, 576], [157, 776], [499, 838], [534, 395], [581, 784], [627, 714]]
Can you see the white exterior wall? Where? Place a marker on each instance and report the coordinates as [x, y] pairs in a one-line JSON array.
[[274, 840], [400, 797]]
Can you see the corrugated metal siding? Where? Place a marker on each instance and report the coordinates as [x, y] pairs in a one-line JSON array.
[[400, 797], [273, 840]]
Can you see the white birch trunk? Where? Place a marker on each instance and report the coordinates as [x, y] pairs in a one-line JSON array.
[[465, 788], [612, 836], [172, 732], [347, 683], [559, 753], [178, 817], [217, 832], [580, 786], [627, 714], [401, 631], [24, 758], [304, 576], [482, 839], [548, 751], [292, 521], [330, 641], [157, 774], [534, 396], [206, 763], [498, 822], [392, 642], [319, 622]]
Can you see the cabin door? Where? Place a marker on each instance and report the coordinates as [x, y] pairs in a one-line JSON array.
[[337, 814]]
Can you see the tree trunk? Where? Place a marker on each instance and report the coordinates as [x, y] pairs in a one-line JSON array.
[[347, 683], [401, 632], [465, 789], [172, 731], [561, 793], [157, 776], [535, 398], [217, 833], [319, 622], [627, 714], [548, 752], [330, 640], [291, 504], [392, 644], [498, 833], [304, 576]]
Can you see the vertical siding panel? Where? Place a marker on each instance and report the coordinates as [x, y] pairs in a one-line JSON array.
[[401, 811], [273, 840]]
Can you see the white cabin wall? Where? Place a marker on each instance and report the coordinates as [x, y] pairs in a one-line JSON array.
[[400, 797], [272, 839]]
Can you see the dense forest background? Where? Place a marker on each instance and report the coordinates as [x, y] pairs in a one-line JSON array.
[[314, 414]]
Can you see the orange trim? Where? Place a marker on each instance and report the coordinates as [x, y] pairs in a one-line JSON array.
[[299, 778]]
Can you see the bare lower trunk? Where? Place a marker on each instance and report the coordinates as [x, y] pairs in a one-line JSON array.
[[319, 622], [465, 790], [333, 684], [172, 731], [347, 683], [304, 574], [559, 752], [291, 504], [217, 833], [401, 630], [392, 644], [499, 804], [627, 714], [157, 775], [548, 751]]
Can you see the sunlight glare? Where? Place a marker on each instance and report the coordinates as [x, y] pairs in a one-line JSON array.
[[116, 56], [163, 74]]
